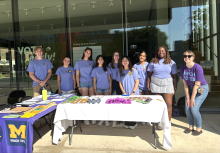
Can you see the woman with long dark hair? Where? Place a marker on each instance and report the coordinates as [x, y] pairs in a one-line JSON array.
[[162, 77], [128, 82], [102, 81], [115, 67], [84, 80], [196, 90]]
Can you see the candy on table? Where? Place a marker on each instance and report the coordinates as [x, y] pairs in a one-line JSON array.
[[118, 101], [84, 100], [94, 100], [75, 101], [52, 104]]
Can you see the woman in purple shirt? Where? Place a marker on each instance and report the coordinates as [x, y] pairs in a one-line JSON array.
[[115, 66], [196, 90], [128, 82], [84, 80], [162, 77], [102, 80]]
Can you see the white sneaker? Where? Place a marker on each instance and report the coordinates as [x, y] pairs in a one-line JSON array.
[[86, 122], [127, 127], [93, 122], [106, 123], [133, 127], [100, 123], [114, 124], [159, 127], [148, 124], [143, 123]]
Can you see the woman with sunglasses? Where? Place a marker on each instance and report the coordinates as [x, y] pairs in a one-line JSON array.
[[196, 91], [102, 81], [128, 82], [162, 77], [84, 80]]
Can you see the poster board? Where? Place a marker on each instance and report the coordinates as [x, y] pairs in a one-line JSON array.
[[78, 52]]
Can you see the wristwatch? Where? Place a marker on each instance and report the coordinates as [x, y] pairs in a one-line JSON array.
[[133, 91]]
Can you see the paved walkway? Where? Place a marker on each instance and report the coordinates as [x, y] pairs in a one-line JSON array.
[[95, 139]]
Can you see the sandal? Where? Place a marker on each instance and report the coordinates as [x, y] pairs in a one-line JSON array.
[[196, 133], [187, 130]]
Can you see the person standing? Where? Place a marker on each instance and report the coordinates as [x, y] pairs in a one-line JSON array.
[[40, 71], [141, 67], [128, 82], [115, 67], [102, 80], [162, 77], [66, 78], [84, 80], [196, 91]]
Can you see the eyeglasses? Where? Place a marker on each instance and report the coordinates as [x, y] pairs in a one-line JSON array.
[[185, 56]]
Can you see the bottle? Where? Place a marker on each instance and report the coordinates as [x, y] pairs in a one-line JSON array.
[[44, 94]]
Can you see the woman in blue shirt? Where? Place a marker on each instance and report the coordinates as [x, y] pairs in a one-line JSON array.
[[162, 77], [128, 82], [66, 78], [115, 66], [141, 67], [84, 80], [102, 81]]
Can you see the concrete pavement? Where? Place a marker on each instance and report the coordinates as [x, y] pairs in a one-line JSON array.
[[95, 139]]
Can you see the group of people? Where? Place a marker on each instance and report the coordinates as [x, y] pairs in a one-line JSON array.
[[159, 77]]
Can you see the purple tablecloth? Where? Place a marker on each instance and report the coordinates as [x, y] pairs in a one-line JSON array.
[[16, 134]]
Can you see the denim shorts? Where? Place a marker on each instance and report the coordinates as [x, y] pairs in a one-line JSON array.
[[86, 84], [102, 90]]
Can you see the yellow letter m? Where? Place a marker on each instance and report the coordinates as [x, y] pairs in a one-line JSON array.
[[19, 131]]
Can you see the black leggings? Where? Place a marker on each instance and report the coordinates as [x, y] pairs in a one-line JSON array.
[[115, 88], [130, 123]]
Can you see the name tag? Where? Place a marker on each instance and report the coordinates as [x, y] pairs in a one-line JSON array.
[[68, 71]]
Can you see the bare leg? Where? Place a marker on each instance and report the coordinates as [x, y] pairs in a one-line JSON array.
[[106, 93], [168, 99], [91, 91], [85, 91]]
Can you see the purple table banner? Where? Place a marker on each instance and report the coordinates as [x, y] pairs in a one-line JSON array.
[[16, 134]]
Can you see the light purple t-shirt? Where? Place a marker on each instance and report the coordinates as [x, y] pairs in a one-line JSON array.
[[115, 71], [101, 77], [66, 78], [85, 70], [161, 70], [142, 71], [40, 69], [190, 75], [128, 80]]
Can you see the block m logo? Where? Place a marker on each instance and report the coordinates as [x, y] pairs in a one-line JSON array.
[[17, 133], [13, 131]]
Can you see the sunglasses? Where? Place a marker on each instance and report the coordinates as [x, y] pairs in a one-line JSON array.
[[185, 56]]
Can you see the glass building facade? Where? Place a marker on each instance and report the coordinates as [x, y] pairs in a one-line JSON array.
[[66, 27]]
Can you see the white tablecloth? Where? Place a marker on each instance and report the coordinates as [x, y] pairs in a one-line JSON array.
[[155, 111]]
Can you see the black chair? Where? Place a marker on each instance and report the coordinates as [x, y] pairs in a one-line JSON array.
[[16, 96]]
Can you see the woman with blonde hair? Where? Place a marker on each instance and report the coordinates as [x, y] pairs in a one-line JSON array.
[[196, 91]]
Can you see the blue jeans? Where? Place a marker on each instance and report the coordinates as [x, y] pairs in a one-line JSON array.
[[193, 113]]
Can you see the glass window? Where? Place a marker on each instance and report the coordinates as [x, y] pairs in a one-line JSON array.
[[41, 23], [96, 24], [7, 73]]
